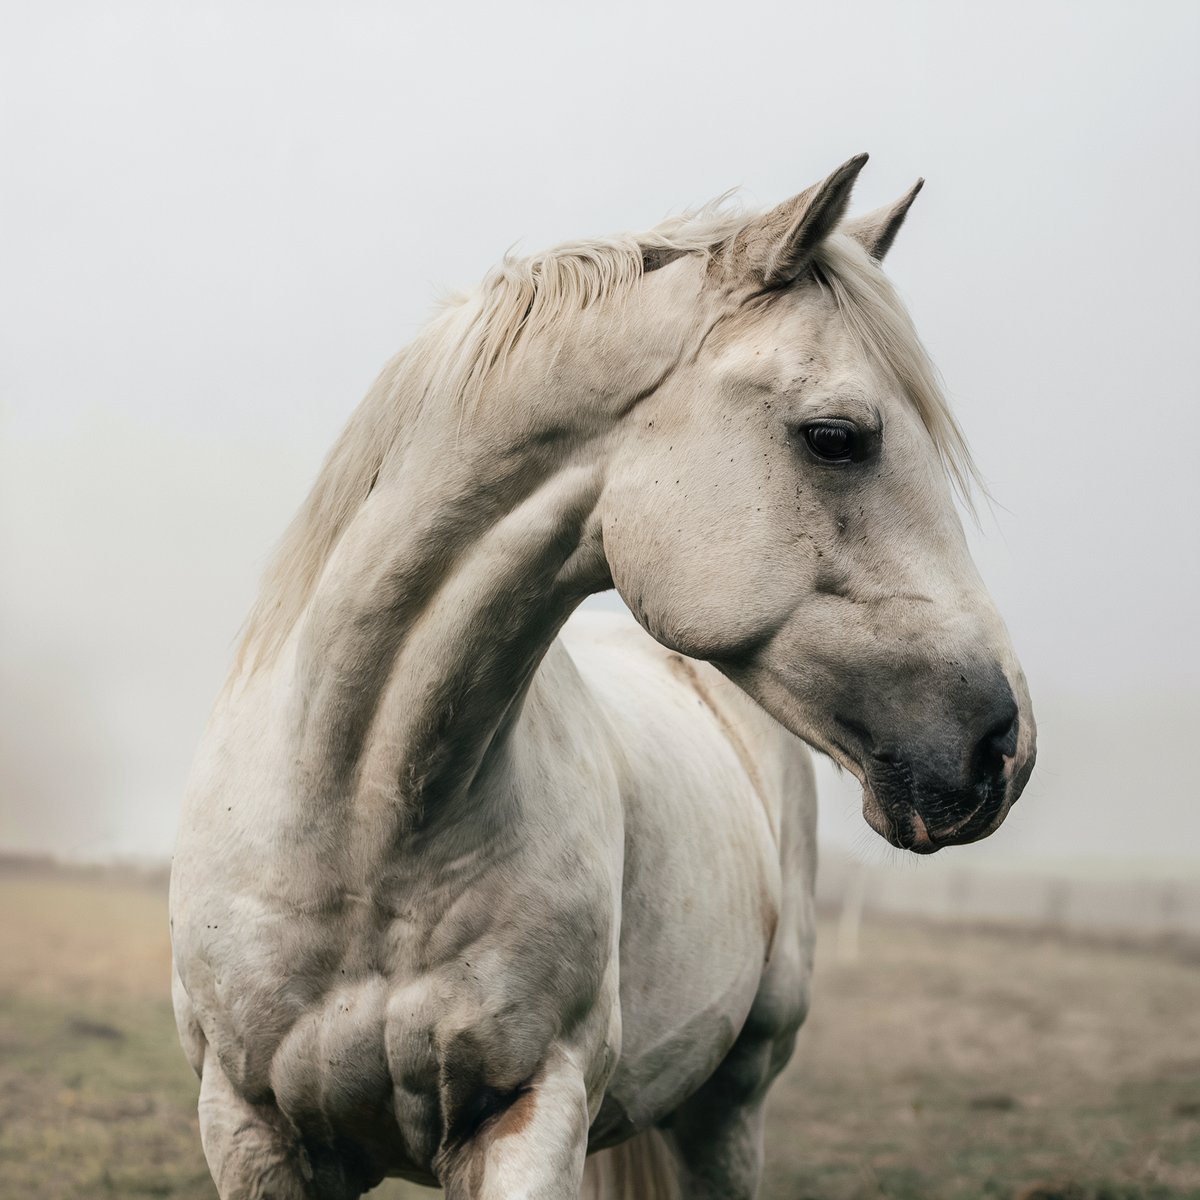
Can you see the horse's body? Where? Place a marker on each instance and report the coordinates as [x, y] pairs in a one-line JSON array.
[[461, 900]]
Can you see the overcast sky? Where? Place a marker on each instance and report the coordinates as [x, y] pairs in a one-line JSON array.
[[219, 221]]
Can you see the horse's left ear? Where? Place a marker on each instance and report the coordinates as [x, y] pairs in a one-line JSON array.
[[778, 246], [877, 230]]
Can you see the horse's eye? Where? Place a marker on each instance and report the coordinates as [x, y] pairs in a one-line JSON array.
[[833, 441]]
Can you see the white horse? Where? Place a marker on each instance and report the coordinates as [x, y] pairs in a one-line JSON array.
[[461, 900]]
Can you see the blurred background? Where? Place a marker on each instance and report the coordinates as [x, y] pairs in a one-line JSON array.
[[221, 219]]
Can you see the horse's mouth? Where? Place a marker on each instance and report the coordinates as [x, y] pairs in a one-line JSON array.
[[905, 831], [900, 821]]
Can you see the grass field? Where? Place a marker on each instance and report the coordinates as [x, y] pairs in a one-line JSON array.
[[943, 1064]]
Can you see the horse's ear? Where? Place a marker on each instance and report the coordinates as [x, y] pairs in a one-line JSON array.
[[778, 246], [877, 230]]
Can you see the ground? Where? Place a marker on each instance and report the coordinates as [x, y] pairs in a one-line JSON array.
[[939, 1064]]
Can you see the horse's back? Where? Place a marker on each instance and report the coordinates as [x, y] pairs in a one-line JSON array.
[[720, 815]]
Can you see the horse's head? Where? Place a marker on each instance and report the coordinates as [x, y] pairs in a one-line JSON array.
[[782, 509]]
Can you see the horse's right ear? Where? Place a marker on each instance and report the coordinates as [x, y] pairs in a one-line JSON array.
[[777, 247], [877, 230]]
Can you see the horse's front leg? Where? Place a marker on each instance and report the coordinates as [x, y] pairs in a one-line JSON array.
[[525, 1144], [254, 1154]]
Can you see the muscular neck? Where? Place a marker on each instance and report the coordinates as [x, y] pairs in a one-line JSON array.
[[449, 585], [433, 614]]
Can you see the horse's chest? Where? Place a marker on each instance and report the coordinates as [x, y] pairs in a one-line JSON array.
[[354, 1013]]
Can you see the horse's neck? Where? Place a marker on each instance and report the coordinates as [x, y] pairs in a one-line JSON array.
[[451, 582], [443, 596]]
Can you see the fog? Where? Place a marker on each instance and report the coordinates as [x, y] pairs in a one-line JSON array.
[[219, 221]]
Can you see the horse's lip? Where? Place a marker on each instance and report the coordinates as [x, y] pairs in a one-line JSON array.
[[906, 831], [923, 842], [983, 822], [901, 823]]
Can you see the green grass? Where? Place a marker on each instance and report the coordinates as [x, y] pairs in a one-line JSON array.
[[944, 1064]]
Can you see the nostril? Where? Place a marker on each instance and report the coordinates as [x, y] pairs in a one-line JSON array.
[[999, 742]]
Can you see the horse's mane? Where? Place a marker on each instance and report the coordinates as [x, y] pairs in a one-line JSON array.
[[461, 349]]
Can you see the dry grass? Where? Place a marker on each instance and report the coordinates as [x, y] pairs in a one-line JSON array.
[[943, 1065], [951, 1063]]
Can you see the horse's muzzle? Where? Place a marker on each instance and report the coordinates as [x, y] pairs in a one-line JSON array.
[[917, 804]]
